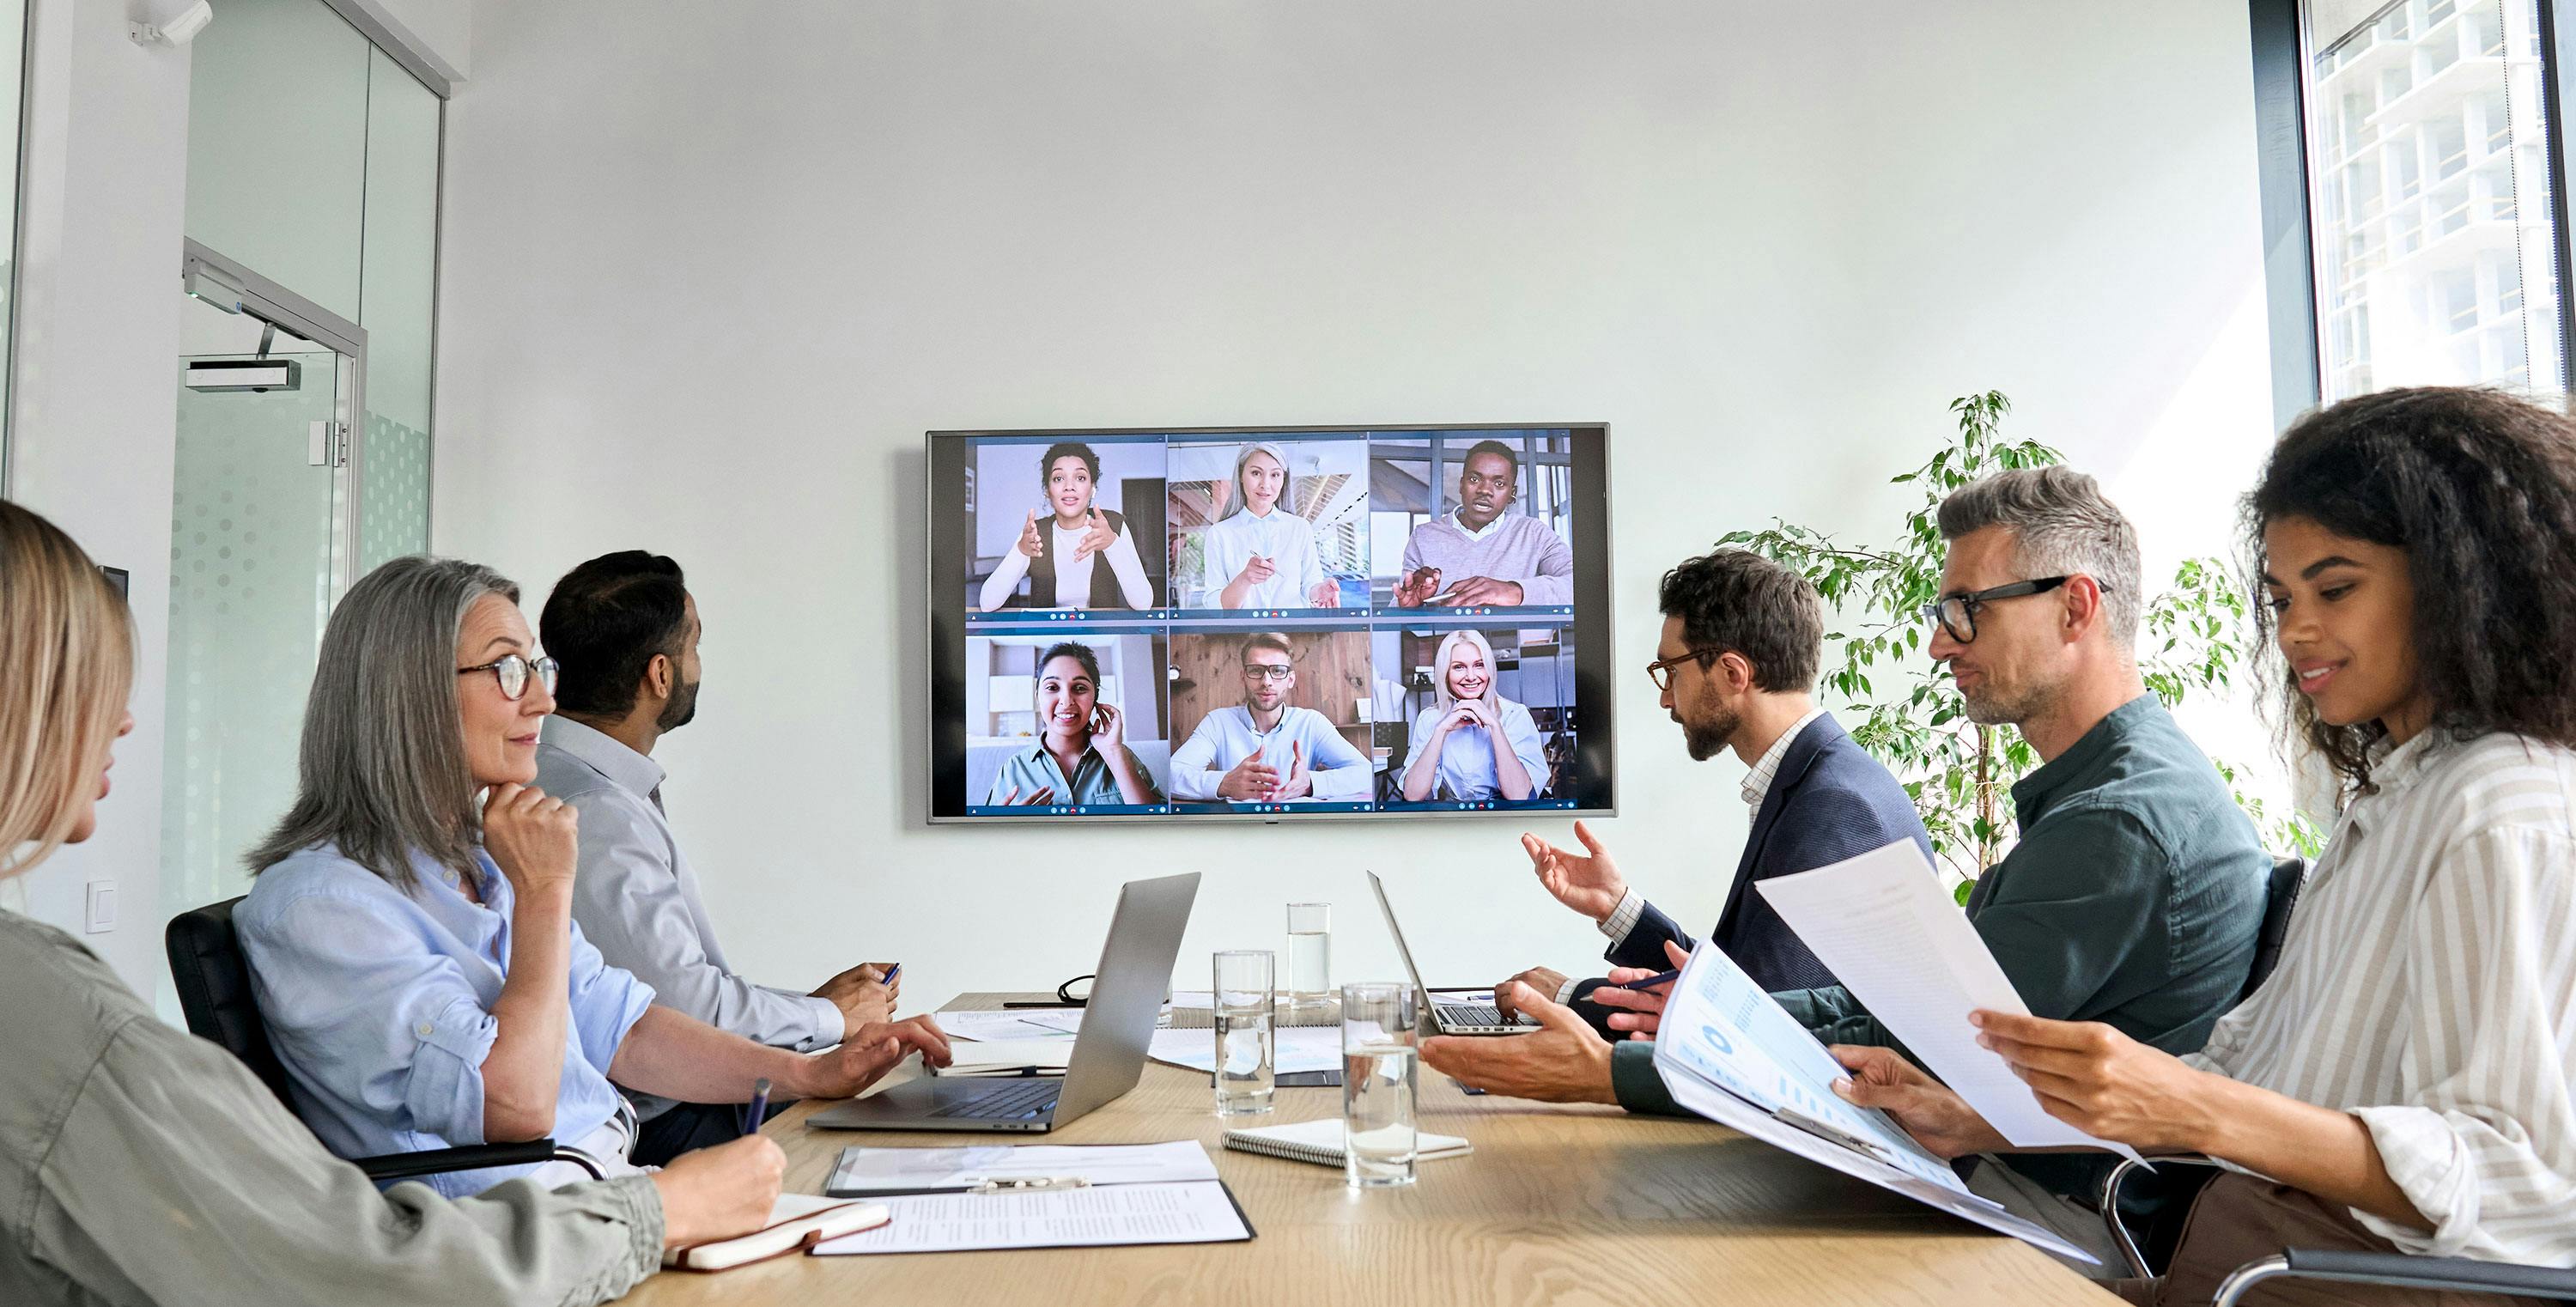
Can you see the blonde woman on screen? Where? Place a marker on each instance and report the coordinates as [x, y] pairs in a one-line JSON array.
[[1260, 554], [1472, 741], [141, 1164]]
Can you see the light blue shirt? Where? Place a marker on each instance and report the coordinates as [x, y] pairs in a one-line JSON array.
[[637, 900], [1225, 737], [1466, 766], [380, 1005], [1034, 769]]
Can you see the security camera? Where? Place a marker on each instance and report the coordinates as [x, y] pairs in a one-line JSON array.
[[177, 30]]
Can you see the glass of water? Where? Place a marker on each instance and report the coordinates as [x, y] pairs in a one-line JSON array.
[[1245, 1066], [1379, 1076], [1310, 955]]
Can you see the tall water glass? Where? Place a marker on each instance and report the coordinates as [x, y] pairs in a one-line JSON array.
[[1380, 1072], [1245, 1065], [1310, 955]]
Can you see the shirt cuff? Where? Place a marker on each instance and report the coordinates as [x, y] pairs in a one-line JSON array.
[[444, 1090], [1636, 1083], [1565, 992], [2433, 1168], [828, 1024], [1623, 918]]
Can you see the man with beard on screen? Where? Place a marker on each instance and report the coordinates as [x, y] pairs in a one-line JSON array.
[[624, 629]]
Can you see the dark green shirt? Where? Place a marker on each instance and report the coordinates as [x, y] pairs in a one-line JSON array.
[[2133, 898]]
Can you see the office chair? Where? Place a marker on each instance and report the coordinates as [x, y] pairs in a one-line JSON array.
[[215, 992], [2401, 1270]]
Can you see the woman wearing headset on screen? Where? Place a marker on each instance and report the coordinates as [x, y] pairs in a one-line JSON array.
[[1471, 740], [1060, 556], [1259, 555], [1081, 755]]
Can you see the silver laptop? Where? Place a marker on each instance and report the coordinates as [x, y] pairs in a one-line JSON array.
[[1108, 1051], [1448, 1018]]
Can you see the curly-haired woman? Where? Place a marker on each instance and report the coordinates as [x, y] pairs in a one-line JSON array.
[[2401, 1082]]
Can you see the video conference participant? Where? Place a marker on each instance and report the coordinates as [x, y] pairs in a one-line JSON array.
[[1496, 557], [2400, 1083], [1060, 556], [1266, 749], [139, 1163], [1473, 745], [2137, 889], [415, 958], [1259, 555], [1081, 756], [624, 628], [1742, 637]]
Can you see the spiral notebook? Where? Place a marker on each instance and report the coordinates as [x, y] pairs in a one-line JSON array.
[[1322, 1142]]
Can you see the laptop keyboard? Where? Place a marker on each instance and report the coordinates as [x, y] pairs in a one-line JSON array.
[[1473, 1014], [1018, 1102]]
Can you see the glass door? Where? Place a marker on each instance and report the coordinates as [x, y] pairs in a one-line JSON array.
[[263, 525]]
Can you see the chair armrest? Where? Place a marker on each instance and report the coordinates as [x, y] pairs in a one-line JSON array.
[[473, 1157], [2459, 1274], [2126, 1242]]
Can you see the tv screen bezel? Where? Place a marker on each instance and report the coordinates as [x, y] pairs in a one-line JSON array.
[[947, 631]]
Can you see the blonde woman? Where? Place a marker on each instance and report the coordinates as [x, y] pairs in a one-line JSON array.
[[1260, 554], [141, 1164], [1472, 742]]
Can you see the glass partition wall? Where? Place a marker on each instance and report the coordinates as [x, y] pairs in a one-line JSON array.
[[304, 434]]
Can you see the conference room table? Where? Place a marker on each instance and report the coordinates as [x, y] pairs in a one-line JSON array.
[[1557, 1204]]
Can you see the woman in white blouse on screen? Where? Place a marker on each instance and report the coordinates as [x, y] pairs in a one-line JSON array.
[[1260, 554], [1471, 740], [1061, 556], [2401, 1081]]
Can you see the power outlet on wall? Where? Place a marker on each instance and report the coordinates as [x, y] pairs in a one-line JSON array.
[[99, 915]]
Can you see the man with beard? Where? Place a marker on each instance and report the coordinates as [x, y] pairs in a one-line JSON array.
[[1266, 749], [1737, 667], [623, 628], [1484, 555], [2137, 888]]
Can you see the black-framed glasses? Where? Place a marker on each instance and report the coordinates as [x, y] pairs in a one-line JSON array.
[[1268, 671], [1957, 614], [1660, 671], [513, 671]]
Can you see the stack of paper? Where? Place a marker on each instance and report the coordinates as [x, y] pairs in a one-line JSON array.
[[1044, 1023], [1731, 1054], [1008, 1057], [874, 1172], [1131, 1194], [1299, 1048]]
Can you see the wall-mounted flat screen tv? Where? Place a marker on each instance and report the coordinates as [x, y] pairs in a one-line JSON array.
[[1269, 623]]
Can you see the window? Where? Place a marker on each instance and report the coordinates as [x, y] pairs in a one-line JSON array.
[[2429, 154]]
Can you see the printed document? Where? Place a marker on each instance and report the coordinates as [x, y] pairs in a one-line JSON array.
[[1196, 1211], [1884, 927], [1728, 1052], [865, 1172]]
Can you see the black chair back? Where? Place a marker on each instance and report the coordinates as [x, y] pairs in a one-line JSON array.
[[2281, 896], [213, 978]]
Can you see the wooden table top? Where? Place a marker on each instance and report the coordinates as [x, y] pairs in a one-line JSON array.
[[1557, 1204]]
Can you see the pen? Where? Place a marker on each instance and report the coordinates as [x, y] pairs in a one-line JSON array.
[[758, 1109], [891, 972], [1821, 1130], [1649, 982]]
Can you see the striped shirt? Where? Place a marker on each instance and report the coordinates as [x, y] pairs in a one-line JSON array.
[[2428, 987]]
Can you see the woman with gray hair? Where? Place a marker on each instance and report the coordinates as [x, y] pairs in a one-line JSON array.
[[1258, 554], [141, 1164], [413, 951]]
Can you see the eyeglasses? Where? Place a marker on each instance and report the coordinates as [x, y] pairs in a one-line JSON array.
[[512, 674], [1957, 614], [1660, 671], [1268, 671]]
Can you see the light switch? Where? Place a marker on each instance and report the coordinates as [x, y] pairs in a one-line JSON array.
[[101, 916]]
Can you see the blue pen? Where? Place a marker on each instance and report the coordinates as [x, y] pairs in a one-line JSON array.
[[1649, 982], [758, 1111], [891, 973]]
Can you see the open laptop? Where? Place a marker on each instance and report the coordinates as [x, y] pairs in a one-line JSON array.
[[1448, 1018], [1108, 1051]]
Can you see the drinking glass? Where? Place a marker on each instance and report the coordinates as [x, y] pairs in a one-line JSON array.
[[1380, 1074], [1310, 955], [1245, 1065]]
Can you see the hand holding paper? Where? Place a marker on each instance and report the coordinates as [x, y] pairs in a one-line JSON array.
[[1882, 924]]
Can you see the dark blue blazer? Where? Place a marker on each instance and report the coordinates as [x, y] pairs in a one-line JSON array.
[[1828, 801]]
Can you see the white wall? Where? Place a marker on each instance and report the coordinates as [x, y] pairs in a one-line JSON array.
[[95, 409], [443, 29], [708, 280]]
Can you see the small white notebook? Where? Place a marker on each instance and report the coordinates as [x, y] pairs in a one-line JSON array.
[[798, 1221], [1323, 1143]]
